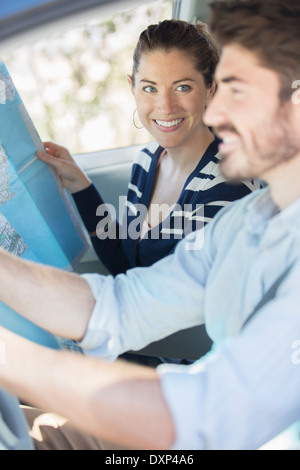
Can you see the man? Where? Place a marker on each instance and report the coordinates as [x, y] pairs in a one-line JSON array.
[[246, 391]]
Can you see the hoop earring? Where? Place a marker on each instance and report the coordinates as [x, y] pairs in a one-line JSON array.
[[133, 120]]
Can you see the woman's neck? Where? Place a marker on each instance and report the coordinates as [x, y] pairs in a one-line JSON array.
[[187, 156]]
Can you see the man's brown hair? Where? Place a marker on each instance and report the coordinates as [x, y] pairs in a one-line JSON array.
[[269, 28]]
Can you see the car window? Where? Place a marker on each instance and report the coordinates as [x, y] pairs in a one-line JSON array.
[[74, 84]]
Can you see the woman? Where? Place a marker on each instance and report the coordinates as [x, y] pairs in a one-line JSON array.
[[178, 175]]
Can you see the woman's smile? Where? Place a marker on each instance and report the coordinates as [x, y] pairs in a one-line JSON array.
[[171, 96], [168, 125]]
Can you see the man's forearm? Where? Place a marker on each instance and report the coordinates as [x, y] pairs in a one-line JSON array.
[[55, 300], [119, 402]]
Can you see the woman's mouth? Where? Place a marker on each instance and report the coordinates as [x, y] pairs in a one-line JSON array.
[[169, 125]]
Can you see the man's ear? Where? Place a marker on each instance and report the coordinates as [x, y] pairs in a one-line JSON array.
[[129, 79], [210, 93]]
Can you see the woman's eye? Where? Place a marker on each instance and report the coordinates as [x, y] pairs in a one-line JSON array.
[[149, 89], [184, 88]]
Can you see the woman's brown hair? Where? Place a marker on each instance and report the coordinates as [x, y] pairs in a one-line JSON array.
[[192, 39]]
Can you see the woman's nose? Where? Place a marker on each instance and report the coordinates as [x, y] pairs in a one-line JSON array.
[[167, 102]]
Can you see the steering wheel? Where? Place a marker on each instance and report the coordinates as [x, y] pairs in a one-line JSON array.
[[17, 324], [13, 426]]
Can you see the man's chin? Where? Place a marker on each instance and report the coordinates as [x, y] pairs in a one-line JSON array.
[[232, 174]]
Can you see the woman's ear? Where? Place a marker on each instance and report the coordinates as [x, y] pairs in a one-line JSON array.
[[129, 79]]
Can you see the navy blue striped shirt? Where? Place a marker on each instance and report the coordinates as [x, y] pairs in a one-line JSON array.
[[204, 193]]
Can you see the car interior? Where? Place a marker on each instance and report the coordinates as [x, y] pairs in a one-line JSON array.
[[34, 22], [108, 168]]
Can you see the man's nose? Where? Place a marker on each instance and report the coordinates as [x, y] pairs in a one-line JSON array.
[[214, 114]]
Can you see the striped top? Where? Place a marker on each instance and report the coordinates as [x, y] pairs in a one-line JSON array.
[[204, 193]]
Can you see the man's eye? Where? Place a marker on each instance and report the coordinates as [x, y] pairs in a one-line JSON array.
[[149, 89], [184, 88], [236, 91]]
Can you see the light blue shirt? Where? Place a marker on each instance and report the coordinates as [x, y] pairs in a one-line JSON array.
[[247, 389]]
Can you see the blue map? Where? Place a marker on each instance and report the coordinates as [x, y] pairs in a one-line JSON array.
[[37, 219]]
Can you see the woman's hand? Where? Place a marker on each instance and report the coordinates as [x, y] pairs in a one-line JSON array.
[[72, 176]]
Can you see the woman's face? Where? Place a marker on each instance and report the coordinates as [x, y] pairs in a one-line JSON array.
[[171, 97]]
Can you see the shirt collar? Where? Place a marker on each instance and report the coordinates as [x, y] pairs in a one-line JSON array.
[[263, 213]]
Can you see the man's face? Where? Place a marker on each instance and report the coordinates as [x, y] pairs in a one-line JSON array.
[[258, 133]]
